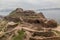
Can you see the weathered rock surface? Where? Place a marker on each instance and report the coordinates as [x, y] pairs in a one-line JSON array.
[[35, 25]]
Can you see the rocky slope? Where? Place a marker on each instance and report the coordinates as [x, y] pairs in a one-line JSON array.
[[27, 25]]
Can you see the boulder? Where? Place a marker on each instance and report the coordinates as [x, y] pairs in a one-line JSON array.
[[10, 26], [19, 10], [51, 24], [12, 23]]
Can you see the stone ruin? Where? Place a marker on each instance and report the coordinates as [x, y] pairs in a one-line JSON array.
[[35, 25]]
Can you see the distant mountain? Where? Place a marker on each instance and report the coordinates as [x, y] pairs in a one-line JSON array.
[[48, 9], [6, 10]]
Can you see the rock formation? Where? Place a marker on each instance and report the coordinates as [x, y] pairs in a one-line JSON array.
[[34, 25]]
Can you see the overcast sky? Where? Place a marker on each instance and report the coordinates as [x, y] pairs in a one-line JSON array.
[[29, 4]]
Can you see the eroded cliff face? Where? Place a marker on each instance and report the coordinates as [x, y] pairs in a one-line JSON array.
[[32, 23]]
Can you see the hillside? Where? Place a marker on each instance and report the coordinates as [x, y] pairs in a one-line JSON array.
[[27, 25]]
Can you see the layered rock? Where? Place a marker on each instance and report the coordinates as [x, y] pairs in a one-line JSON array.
[[32, 23]]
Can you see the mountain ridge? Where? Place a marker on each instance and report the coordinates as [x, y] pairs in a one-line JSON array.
[[43, 9]]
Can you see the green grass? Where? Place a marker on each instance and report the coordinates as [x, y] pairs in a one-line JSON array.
[[20, 36]]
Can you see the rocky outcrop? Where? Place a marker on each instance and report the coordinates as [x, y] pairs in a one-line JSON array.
[[52, 23], [18, 10], [34, 25]]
